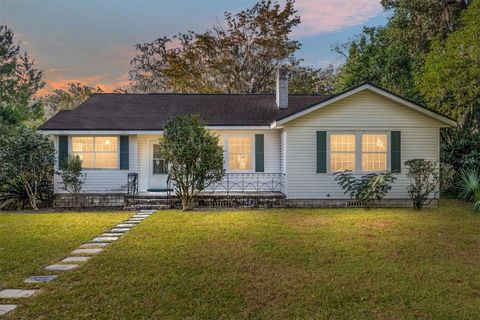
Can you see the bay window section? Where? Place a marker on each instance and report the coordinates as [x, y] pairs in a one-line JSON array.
[[96, 152], [239, 153], [374, 152], [342, 152]]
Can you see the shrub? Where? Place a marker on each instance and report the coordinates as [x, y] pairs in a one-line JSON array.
[[26, 168], [447, 177], [193, 155], [424, 180], [469, 185], [369, 189], [72, 176]]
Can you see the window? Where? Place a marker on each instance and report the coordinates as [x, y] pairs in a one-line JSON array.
[[96, 152], [342, 152], [158, 162], [240, 153], [374, 152]]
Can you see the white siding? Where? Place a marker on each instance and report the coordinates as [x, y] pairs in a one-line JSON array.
[[104, 181], [271, 144], [361, 112]]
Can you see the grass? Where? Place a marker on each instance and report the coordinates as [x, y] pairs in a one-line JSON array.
[[30, 242], [279, 264]]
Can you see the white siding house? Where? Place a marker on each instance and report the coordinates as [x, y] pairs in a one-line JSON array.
[[366, 129]]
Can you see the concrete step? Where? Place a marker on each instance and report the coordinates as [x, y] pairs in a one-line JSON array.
[[150, 201], [140, 206]]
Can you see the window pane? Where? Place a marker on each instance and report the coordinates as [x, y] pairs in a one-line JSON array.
[[342, 161], [374, 142], [159, 166], [106, 144], [342, 143], [86, 158], [374, 162], [156, 151], [240, 153], [82, 144], [106, 160]]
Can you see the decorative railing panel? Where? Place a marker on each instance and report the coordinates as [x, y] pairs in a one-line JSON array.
[[132, 184], [249, 182]]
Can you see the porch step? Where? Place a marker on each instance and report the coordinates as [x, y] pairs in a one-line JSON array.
[[147, 206], [150, 201]]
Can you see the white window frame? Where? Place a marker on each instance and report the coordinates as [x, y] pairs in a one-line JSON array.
[[70, 150], [226, 154], [358, 148]]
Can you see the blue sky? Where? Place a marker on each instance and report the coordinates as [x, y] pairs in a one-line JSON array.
[[93, 41]]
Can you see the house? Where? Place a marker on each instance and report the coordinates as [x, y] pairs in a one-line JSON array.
[[274, 143]]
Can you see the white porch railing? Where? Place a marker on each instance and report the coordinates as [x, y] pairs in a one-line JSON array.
[[249, 182]]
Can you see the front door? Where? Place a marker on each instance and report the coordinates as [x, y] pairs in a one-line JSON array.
[[158, 169]]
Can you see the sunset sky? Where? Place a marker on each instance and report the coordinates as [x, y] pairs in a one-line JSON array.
[[92, 42]]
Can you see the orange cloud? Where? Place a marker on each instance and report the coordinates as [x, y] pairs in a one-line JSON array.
[[104, 82], [320, 16]]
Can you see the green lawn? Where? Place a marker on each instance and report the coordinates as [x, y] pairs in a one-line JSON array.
[[31, 241], [278, 264]]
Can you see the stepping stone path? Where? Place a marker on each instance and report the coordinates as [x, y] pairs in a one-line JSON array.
[[40, 279], [94, 246]]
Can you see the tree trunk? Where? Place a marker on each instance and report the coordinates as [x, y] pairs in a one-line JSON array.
[[186, 203]]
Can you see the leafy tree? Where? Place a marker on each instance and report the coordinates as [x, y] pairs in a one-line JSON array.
[[61, 99], [72, 176], [368, 189], [392, 55], [424, 181], [26, 160], [193, 155], [19, 82], [240, 55], [309, 80], [450, 79]]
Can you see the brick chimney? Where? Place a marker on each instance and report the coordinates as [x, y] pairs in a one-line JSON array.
[[282, 88]]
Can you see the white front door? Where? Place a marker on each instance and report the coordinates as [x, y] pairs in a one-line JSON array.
[[158, 172]]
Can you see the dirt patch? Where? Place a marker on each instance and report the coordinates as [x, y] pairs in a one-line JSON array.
[[378, 224], [307, 222]]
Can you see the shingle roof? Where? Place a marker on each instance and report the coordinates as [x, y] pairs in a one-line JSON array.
[[109, 111]]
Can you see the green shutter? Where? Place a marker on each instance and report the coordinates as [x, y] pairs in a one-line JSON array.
[[124, 153], [321, 152], [62, 149], [259, 153], [395, 152]]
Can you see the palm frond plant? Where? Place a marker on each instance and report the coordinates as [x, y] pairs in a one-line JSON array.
[[469, 186]]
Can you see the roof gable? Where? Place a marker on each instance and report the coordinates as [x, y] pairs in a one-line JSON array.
[[365, 87]]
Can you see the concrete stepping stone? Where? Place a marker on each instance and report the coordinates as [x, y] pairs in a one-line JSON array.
[[75, 259], [94, 244], [141, 216], [87, 251], [6, 308], [138, 218], [133, 222], [125, 225], [120, 229], [104, 239], [17, 293], [40, 279], [61, 267], [112, 234], [146, 211]]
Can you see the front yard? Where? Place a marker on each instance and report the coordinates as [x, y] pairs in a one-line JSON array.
[[261, 264]]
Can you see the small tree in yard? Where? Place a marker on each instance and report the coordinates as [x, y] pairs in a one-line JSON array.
[[424, 180], [193, 155], [26, 161], [368, 189], [72, 176]]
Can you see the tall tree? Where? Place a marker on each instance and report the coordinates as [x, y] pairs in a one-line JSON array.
[[19, 82], [390, 56], [309, 80], [238, 56], [450, 80], [68, 99]]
